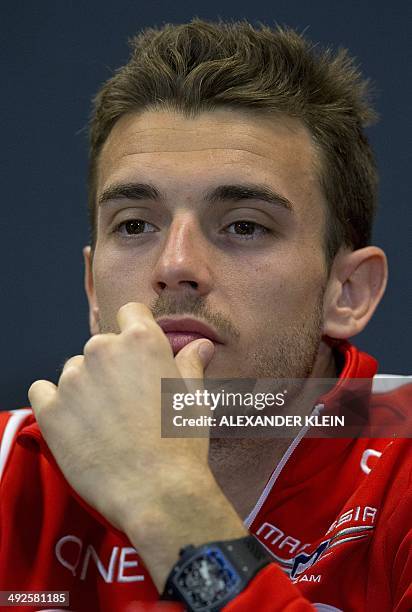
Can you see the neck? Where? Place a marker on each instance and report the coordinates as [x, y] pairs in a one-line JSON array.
[[242, 467]]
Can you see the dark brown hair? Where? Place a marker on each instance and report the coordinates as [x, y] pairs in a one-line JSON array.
[[201, 66]]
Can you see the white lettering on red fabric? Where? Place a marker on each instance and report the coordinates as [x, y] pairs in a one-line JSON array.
[[365, 514], [369, 452], [123, 564], [369, 512], [58, 550], [308, 578], [69, 551], [292, 543], [107, 574], [267, 530]]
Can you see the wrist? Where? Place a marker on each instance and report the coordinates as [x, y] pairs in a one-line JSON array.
[[192, 514]]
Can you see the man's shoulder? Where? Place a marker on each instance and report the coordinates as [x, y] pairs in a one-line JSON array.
[[392, 387], [12, 418], [391, 405], [11, 422], [392, 396]]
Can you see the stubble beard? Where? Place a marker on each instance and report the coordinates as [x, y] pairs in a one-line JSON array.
[[291, 355]]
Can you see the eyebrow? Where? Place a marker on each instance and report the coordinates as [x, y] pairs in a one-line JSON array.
[[129, 191], [226, 193], [248, 192]]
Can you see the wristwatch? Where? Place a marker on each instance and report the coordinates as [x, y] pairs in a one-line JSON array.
[[207, 577]]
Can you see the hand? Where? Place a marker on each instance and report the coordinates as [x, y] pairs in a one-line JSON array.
[[102, 424], [102, 421]]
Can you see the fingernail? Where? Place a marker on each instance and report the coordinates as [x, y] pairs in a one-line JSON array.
[[205, 351]]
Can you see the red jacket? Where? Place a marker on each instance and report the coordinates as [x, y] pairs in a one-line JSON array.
[[336, 514]]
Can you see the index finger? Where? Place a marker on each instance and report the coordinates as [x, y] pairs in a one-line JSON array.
[[133, 312]]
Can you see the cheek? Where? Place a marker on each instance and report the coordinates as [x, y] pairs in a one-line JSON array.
[[118, 282], [279, 293]]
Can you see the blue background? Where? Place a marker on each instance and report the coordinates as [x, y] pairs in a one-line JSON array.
[[55, 54]]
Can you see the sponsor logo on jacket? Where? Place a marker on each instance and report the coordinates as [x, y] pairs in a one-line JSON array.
[[360, 518]]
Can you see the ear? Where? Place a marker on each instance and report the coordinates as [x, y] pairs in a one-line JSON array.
[[356, 285], [89, 287]]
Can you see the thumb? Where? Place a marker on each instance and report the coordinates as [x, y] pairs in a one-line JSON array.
[[193, 358]]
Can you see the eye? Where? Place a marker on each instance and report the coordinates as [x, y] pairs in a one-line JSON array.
[[131, 227], [247, 229]]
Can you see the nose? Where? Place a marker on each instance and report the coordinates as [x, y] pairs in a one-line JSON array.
[[183, 263]]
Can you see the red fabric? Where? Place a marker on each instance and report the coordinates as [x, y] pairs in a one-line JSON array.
[[52, 540]]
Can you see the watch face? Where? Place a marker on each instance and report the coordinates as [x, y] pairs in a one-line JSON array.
[[207, 580]]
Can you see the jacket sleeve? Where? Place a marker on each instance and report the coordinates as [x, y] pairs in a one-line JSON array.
[[270, 591], [402, 571], [396, 549], [401, 577], [10, 424]]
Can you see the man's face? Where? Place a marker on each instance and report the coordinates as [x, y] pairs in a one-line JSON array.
[[219, 218]]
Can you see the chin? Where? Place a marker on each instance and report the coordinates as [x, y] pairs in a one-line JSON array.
[[222, 367]]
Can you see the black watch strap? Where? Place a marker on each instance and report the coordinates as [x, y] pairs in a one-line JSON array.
[[249, 554]]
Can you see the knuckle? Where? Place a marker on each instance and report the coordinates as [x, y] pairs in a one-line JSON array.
[[138, 331], [96, 344], [71, 371], [76, 360], [69, 376]]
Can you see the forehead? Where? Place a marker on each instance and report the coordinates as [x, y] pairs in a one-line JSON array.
[[218, 146]]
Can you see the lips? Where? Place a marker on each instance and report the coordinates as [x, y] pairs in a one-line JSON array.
[[182, 331]]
